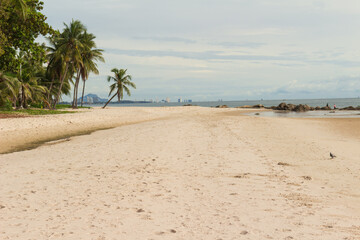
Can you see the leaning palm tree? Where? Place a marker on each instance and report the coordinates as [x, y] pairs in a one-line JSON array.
[[122, 81]]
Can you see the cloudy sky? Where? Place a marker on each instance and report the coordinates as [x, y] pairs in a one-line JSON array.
[[229, 49]]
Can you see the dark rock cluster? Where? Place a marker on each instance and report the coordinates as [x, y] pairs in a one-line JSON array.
[[351, 108], [252, 106], [304, 108]]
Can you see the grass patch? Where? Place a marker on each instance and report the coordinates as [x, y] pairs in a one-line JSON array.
[[60, 109], [33, 112], [64, 106]]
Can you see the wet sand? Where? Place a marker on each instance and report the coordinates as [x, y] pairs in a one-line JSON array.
[[180, 173]]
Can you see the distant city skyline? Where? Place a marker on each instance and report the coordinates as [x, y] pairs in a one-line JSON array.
[[230, 50]]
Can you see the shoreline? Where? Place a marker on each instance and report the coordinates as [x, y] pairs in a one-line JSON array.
[[12, 143]]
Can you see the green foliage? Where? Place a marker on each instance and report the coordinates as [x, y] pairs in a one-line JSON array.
[[64, 106], [35, 112], [24, 81], [19, 33], [7, 106], [121, 83]]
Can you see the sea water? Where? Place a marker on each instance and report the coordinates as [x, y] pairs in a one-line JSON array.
[[340, 103]]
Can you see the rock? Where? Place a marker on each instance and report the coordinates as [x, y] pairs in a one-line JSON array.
[[351, 108], [307, 178], [187, 105], [258, 106], [252, 106], [245, 106], [296, 108], [282, 106], [326, 108], [222, 106], [317, 108], [283, 164], [301, 108]]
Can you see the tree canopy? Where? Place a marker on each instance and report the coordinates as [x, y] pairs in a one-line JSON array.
[[21, 22]]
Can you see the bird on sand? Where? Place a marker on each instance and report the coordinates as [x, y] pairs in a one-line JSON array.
[[332, 155]]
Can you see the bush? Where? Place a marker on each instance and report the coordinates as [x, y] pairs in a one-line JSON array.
[[7, 106]]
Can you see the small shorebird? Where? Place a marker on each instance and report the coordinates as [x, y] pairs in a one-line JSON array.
[[332, 155]]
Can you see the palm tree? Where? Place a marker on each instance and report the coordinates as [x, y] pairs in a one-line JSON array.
[[122, 81], [89, 55], [28, 77], [89, 63], [68, 50], [8, 89]]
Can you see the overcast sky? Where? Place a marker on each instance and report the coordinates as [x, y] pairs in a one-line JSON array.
[[223, 49]]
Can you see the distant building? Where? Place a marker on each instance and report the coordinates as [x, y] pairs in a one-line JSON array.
[[179, 100], [89, 99], [167, 100]]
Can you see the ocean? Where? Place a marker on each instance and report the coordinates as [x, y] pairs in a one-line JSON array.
[[340, 103]]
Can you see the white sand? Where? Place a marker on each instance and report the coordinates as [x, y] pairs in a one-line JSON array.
[[180, 173]]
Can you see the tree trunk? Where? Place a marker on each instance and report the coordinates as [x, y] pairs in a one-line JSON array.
[[49, 93], [61, 84], [20, 99], [109, 100], [23, 98], [83, 91], [74, 104]]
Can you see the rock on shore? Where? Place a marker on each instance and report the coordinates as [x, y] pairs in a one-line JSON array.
[[304, 108]]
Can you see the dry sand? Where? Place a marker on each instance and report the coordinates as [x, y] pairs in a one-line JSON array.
[[179, 173]]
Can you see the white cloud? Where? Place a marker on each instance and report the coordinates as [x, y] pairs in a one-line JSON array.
[[233, 49]]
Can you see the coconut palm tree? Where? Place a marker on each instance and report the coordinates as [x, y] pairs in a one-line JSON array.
[[89, 55], [121, 83], [68, 50], [8, 89], [28, 77]]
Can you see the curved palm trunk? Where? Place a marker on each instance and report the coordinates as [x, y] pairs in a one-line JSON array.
[[61, 84], [76, 86], [109, 100], [83, 91]]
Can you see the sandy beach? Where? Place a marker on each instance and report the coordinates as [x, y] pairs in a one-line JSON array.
[[178, 173]]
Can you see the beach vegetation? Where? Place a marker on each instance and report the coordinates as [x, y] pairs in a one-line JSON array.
[[21, 23], [35, 75], [30, 111], [122, 82]]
